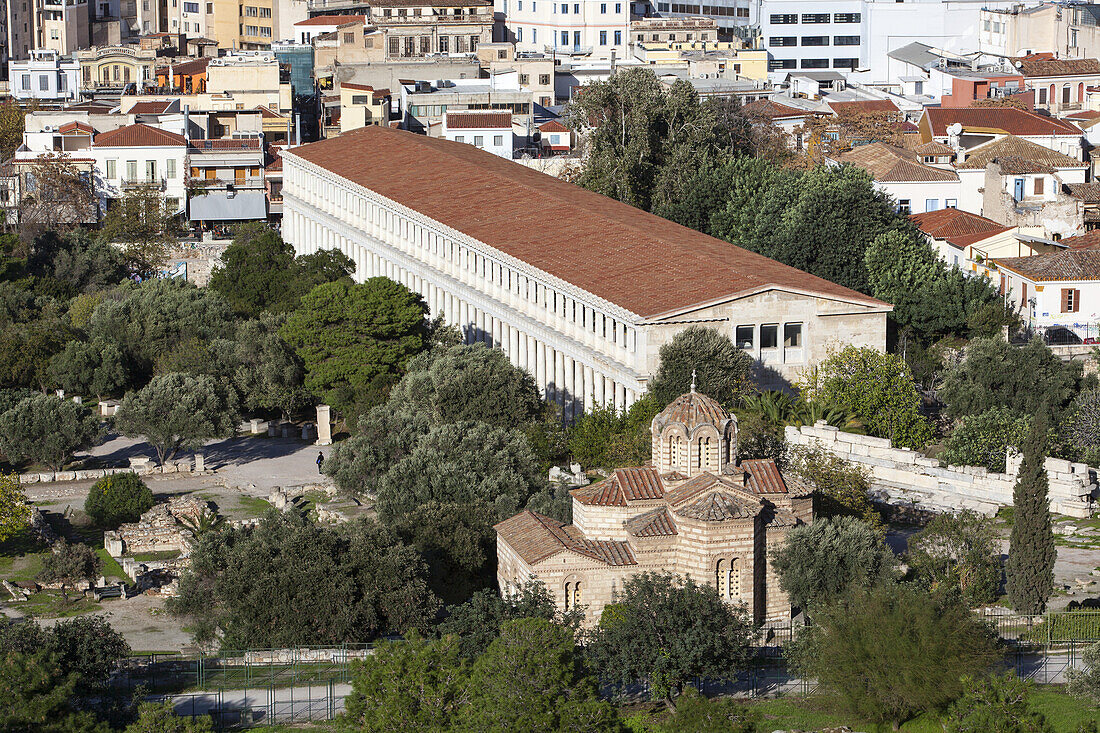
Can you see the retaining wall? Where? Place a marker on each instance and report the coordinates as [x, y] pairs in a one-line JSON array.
[[903, 475]]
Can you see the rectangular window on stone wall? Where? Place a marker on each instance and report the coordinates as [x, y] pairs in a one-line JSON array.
[[769, 336], [744, 337]]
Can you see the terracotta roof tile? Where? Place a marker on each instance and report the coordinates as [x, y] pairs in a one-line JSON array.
[[656, 523], [553, 126], [719, 506], [622, 486], [139, 135], [1018, 156], [645, 264], [187, 68], [1043, 65], [693, 409], [764, 476], [536, 537], [1006, 119], [692, 488], [773, 110], [1088, 240], [1089, 192], [956, 226], [150, 108], [479, 120], [914, 144], [76, 127], [886, 163], [1071, 264]]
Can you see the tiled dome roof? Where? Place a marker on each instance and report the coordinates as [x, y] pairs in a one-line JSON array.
[[693, 409]]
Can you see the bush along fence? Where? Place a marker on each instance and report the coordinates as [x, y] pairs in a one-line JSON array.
[[244, 688]]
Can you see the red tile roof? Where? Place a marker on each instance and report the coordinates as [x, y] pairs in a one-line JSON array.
[[1071, 264], [1038, 65], [553, 126], [1088, 240], [957, 227], [150, 108], [773, 110], [888, 164], [1009, 120], [536, 537], [763, 476], [656, 523], [719, 506], [187, 68], [1017, 155], [479, 120], [327, 20], [138, 136], [645, 264], [622, 486], [693, 409], [76, 127]]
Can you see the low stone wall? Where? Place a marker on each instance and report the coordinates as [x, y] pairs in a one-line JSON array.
[[142, 467], [905, 476], [158, 529]]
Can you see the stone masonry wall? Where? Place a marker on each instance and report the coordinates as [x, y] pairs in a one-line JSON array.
[[903, 475]]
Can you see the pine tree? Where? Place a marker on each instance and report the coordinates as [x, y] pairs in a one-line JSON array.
[[1029, 572]]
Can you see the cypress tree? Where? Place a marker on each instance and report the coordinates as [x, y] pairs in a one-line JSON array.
[[1029, 572]]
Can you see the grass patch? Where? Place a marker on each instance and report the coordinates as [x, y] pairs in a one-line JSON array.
[[111, 568], [50, 604], [1064, 712], [253, 506], [18, 553]]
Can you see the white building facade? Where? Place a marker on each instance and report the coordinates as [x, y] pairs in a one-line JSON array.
[[856, 35], [46, 77], [593, 28], [504, 285]]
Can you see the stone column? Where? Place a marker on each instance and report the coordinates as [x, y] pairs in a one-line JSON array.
[[324, 425], [532, 352], [559, 375], [540, 368], [599, 397], [589, 389]]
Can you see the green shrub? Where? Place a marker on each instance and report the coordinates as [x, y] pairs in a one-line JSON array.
[[122, 497], [983, 439]]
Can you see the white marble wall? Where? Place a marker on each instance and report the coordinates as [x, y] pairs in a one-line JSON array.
[[581, 351]]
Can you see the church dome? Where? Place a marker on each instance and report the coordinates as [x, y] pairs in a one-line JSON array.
[[692, 410]]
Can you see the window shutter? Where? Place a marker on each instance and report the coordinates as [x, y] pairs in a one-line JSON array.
[[1065, 300], [1076, 300]]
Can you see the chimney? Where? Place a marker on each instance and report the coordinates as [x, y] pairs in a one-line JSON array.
[[187, 123]]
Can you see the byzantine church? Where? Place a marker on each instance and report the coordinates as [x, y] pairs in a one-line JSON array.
[[696, 511]]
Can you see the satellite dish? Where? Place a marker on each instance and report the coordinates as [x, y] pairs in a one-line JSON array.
[[1019, 64], [955, 129]]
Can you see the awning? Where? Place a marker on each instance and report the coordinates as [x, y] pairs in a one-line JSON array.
[[219, 206]]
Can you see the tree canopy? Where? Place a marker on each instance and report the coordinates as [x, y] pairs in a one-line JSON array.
[[721, 370], [669, 630], [258, 586], [259, 272], [819, 562], [48, 430], [1029, 570], [177, 411], [349, 335]]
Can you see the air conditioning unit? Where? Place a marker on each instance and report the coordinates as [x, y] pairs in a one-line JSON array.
[[49, 128]]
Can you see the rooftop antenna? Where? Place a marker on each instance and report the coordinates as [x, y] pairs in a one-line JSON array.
[[693, 381]]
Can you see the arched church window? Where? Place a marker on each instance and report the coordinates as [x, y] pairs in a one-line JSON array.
[[568, 596], [721, 578], [576, 594], [735, 578]]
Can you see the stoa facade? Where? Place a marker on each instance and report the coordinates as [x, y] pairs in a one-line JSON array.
[[696, 512], [578, 289]]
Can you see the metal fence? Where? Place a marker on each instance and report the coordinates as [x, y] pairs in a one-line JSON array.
[[243, 688]]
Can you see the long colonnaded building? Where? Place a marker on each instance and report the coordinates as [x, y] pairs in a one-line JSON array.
[[577, 288]]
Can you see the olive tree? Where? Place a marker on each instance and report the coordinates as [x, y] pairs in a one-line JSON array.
[[48, 430], [177, 411]]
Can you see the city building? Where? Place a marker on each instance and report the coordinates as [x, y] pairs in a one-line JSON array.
[[914, 185], [857, 36], [489, 131], [46, 77], [732, 17], [117, 66], [579, 289], [34, 26], [674, 30], [1057, 291], [1059, 84], [968, 128], [968, 241], [310, 28], [229, 176], [410, 30], [587, 28], [1067, 30], [423, 103], [140, 156], [697, 512]]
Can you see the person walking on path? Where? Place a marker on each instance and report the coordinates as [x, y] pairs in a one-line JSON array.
[[320, 460]]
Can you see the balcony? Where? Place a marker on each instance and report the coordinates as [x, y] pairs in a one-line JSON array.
[[411, 20], [569, 50], [249, 144], [224, 183], [159, 184]]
